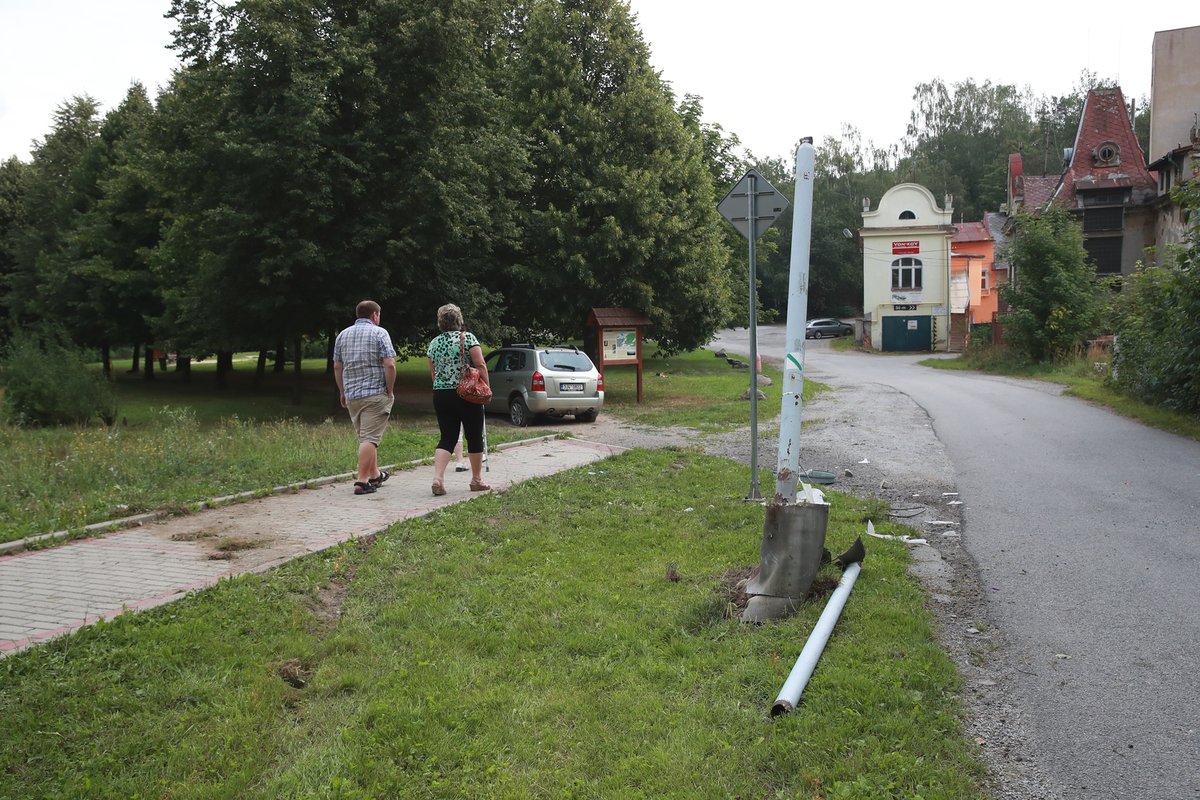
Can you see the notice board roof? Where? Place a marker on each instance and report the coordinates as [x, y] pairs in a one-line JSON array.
[[610, 317]]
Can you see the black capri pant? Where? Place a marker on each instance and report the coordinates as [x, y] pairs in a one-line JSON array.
[[453, 412]]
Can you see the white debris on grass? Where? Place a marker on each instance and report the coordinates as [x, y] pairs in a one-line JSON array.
[[905, 539]]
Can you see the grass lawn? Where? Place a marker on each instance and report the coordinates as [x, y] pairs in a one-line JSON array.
[[1084, 380], [520, 645], [180, 443]]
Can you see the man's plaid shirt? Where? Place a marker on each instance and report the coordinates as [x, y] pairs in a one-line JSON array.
[[360, 349]]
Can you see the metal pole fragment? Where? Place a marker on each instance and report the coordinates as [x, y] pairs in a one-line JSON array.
[[751, 215], [788, 462], [797, 679]]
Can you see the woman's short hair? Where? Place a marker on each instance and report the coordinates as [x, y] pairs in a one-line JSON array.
[[449, 318]]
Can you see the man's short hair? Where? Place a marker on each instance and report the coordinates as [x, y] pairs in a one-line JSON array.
[[366, 308]]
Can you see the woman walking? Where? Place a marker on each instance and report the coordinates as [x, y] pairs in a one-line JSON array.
[[449, 353]]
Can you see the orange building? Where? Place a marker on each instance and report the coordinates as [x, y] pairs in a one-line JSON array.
[[973, 265]]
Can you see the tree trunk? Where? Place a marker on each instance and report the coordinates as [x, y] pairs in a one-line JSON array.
[[280, 356], [224, 365], [148, 362], [106, 360], [183, 365], [261, 370], [329, 353], [298, 373], [137, 351]]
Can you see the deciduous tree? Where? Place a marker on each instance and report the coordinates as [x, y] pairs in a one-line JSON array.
[[622, 210]]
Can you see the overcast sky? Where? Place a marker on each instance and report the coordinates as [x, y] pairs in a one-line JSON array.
[[770, 71]]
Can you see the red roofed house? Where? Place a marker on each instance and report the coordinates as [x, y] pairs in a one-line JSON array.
[[1105, 182]]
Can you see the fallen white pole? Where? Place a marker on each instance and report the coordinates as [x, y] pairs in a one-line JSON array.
[[789, 695]]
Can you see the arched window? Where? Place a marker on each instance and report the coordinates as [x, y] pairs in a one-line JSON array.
[[906, 273], [907, 215]]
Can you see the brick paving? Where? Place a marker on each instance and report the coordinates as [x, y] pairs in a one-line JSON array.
[[46, 593]]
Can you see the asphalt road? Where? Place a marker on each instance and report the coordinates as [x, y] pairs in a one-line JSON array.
[[1084, 528]]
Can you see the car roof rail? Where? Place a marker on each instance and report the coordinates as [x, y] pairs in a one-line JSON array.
[[563, 346]]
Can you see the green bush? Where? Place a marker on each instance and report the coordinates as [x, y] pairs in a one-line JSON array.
[[1157, 355], [47, 381], [980, 336], [1056, 302]]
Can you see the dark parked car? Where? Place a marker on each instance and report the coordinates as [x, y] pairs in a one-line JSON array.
[[820, 328], [528, 381]]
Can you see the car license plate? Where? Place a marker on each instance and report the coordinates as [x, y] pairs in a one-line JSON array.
[[570, 387]]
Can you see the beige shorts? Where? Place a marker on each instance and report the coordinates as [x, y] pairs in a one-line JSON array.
[[370, 416]]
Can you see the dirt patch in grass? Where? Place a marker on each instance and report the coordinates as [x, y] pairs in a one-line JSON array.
[[294, 673], [227, 547], [192, 536], [330, 599], [733, 589], [232, 544]]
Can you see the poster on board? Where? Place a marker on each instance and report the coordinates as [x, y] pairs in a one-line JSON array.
[[620, 346]]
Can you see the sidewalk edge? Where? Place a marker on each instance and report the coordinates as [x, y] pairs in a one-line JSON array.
[[136, 520]]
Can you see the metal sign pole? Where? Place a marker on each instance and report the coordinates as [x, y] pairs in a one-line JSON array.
[[788, 464], [751, 226], [754, 492]]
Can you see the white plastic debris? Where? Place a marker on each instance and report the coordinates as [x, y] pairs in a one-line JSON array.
[[905, 539]]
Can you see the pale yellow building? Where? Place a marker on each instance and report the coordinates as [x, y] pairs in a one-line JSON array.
[[906, 270]]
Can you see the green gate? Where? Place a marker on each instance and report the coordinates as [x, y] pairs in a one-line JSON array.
[[907, 334]]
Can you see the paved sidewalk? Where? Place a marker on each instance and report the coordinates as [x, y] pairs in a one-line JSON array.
[[46, 593]]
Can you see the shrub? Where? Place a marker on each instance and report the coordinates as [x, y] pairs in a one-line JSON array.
[[1157, 353], [47, 381], [1056, 301]]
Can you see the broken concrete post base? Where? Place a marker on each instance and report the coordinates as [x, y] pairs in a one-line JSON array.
[[793, 545]]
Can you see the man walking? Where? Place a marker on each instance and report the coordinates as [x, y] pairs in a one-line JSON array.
[[364, 366]]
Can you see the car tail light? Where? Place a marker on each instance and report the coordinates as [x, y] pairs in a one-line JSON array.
[[539, 382], [599, 381]]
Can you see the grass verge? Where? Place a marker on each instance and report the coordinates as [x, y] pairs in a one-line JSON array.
[[520, 645], [1083, 377], [181, 443], [695, 390]]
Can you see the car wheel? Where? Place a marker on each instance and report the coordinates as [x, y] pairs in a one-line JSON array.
[[518, 412], [587, 416]]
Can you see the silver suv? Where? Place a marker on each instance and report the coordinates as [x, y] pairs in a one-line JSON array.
[[528, 381]]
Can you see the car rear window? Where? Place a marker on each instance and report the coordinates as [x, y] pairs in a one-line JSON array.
[[565, 361]]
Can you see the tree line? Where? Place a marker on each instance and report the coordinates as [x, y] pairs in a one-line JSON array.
[[520, 158]]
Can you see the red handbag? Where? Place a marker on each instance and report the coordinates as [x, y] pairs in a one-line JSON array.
[[471, 386]]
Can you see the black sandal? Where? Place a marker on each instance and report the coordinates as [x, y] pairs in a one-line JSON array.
[[378, 480], [364, 487]]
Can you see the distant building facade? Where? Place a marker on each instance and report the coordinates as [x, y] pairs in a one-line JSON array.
[[1174, 125], [1104, 182], [906, 270]]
